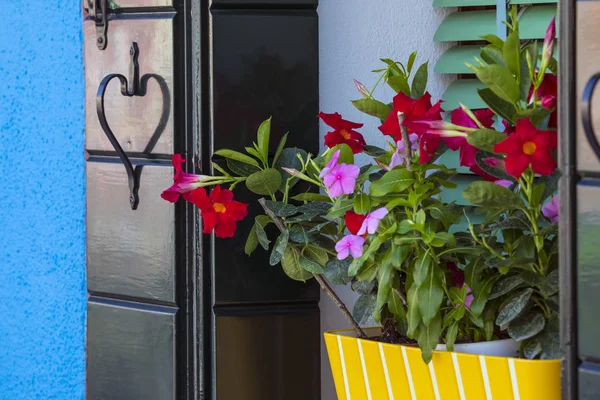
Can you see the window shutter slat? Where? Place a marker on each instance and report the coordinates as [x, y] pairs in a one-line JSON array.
[[466, 25], [463, 3], [463, 91], [453, 60], [535, 20]]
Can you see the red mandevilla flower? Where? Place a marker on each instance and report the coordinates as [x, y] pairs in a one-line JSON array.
[[546, 94], [461, 118], [343, 132], [184, 182], [354, 221], [528, 146], [219, 210], [414, 110]]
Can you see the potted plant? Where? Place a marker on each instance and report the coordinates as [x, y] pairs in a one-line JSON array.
[[456, 307]]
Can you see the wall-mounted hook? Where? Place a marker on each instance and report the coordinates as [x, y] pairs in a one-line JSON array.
[[128, 88], [98, 11]]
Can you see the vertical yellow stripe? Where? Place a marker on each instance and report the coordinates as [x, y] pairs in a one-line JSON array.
[[409, 377], [333, 351], [397, 371], [388, 384], [436, 390], [354, 373], [486, 378], [344, 372], [513, 379], [459, 382], [364, 369]]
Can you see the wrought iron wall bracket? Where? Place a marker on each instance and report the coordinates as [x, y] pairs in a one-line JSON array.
[[586, 113], [98, 11], [129, 88]]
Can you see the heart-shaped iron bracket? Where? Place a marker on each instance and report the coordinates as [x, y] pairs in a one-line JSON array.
[[586, 113], [129, 88]]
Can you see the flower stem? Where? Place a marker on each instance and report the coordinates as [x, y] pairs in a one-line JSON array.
[[405, 141], [322, 282]]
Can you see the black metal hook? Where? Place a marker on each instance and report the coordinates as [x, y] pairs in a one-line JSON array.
[[128, 88], [586, 113], [98, 11]]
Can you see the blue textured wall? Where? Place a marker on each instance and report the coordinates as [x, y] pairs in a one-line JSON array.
[[42, 204]]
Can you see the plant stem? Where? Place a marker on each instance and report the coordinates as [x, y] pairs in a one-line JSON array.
[[405, 141], [322, 282]]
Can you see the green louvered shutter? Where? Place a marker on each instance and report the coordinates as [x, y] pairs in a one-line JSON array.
[[464, 27]]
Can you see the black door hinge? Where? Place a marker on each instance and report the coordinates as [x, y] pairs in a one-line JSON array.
[[98, 12]]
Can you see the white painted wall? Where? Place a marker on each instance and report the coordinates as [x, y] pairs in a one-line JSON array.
[[354, 35]]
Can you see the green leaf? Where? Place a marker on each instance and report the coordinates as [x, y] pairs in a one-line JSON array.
[[340, 207], [252, 241], [261, 234], [451, 334], [316, 254], [252, 151], [551, 184], [492, 55], [311, 197], [421, 269], [399, 83], [399, 255], [527, 325], [530, 49], [234, 155], [263, 136], [429, 337], [385, 274], [279, 248], [482, 295], [511, 52], [362, 204], [411, 62], [532, 349], [505, 285], [489, 194], [265, 182], [279, 149], [309, 265], [336, 271], [396, 306], [291, 265], [374, 151], [289, 159], [413, 312], [493, 39], [393, 181], [536, 115], [513, 307], [506, 265], [363, 287], [443, 238], [419, 82], [500, 81], [363, 309], [346, 154], [281, 209], [473, 273], [549, 284], [240, 168], [504, 109], [431, 295], [373, 107], [499, 173], [485, 139]]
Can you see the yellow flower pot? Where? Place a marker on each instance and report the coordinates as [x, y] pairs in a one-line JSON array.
[[370, 370]]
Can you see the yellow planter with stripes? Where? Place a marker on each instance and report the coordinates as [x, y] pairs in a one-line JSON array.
[[370, 370]]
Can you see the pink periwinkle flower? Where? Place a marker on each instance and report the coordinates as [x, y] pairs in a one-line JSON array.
[[398, 156], [184, 182], [371, 222], [469, 299], [341, 179], [349, 244], [332, 163], [504, 182], [550, 210]]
